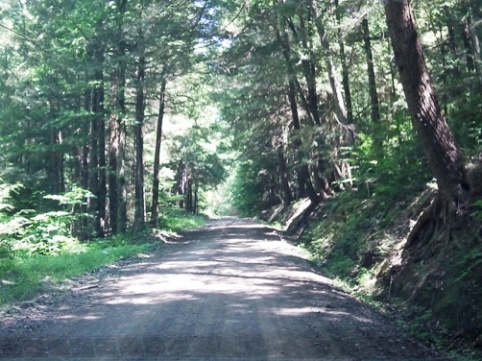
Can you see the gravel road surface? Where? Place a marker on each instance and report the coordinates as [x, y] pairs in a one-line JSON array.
[[233, 290]]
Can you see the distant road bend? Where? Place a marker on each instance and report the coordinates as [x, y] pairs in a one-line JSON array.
[[230, 291]]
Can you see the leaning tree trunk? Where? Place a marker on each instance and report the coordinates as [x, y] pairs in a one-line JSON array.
[[441, 149]]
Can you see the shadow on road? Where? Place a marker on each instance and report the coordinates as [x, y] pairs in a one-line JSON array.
[[230, 291]]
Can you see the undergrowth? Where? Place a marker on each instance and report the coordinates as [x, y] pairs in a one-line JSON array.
[[355, 239], [177, 220], [23, 275], [29, 270], [350, 228]]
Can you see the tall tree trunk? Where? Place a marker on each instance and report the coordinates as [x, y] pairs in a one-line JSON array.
[[305, 186], [343, 119], [372, 87], [99, 113], [344, 67], [55, 157], [441, 149], [157, 155], [469, 55], [180, 182], [85, 169], [122, 181], [117, 207], [94, 165], [114, 125], [140, 208], [339, 100], [189, 196], [309, 70], [303, 176], [196, 199], [475, 45], [287, 196], [372, 84]]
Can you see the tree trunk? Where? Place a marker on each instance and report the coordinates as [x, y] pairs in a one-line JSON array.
[[189, 196], [99, 111], [344, 68], [339, 100], [117, 207], [140, 208], [475, 46], [372, 87], [94, 165], [305, 186], [54, 160], [309, 71], [114, 125], [469, 55], [287, 196], [345, 123], [440, 147], [180, 182], [157, 155]]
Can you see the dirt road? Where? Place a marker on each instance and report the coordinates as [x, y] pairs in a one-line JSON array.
[[231, 291]]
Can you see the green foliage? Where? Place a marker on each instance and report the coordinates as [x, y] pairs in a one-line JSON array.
[[43, 233], [247, 191], [470, 264], [419, 323], [347, 228], [478, 212], [25, 275], [177, 220], [74, 197], [397, 168]]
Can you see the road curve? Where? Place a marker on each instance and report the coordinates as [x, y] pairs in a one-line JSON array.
[[230, 291]]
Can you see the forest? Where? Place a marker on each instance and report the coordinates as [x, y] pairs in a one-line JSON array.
[[122, 118]]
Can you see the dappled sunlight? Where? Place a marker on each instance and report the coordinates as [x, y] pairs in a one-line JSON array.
[[236, 292], [89, 317], [307, 310]]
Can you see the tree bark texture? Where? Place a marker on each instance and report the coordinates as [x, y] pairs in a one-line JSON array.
[[372, 84], [286, 194], [372, 89], [157, 155], [140, 208], [339, 100], [99, 114], [114, 130], [440, 147], [117, 219], [344, 67], [305, 185]]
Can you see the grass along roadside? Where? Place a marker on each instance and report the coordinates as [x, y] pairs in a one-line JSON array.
[[23, 275], [178, 221]]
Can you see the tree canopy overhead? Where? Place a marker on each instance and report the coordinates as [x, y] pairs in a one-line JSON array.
[[284, 99]]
